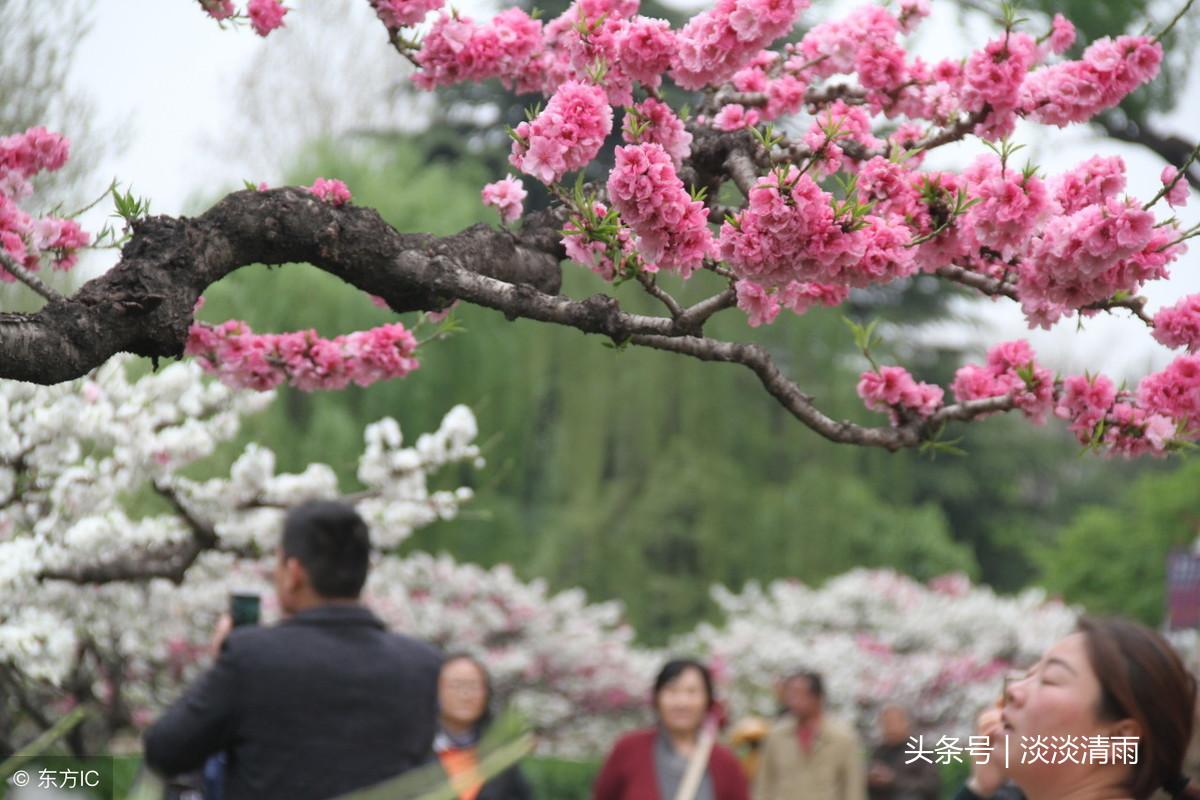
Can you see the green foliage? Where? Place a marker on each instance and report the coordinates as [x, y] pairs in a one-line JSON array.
[[1112, 559]]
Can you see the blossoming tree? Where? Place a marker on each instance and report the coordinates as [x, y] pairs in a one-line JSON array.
[[878, 637], [122, 562], [798, 178]]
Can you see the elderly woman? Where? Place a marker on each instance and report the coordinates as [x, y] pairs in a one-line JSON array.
[[1112, 681], [651, 764], [464, 711]]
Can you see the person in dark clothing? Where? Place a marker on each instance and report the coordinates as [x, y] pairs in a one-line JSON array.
[[894, 774], [464, 714], [325, 702]]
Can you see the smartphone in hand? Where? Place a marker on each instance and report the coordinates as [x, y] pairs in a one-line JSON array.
[[245, 608]]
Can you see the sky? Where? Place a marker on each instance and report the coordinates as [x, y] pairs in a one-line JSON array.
[[170, 79]]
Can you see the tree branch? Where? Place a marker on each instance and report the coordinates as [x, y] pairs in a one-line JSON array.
[[26, 277], [1172, 149]]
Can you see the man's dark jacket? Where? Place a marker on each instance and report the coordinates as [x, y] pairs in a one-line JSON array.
[[323, 703]]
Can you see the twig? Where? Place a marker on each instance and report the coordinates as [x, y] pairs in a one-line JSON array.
[[28, 278], [651, 286]]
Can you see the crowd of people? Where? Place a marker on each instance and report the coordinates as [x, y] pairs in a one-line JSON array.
[[328, 701]]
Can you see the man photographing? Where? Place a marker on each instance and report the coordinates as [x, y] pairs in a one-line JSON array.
[[323, 703]]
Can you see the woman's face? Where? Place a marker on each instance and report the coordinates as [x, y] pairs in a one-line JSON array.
[[1058, 697], [683, 702], [462, 693]]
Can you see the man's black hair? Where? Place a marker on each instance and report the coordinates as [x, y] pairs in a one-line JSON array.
[[331, 542]]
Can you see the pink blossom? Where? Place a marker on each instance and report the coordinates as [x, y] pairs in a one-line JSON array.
[[456, 49], [400, 13], [761, 306], [1062, 34], [1010, 205], [1089, 256], [1085, 401], [735, 117], [1173, 391], [266, 15], [1091, 182], [799, 297], [331, 190], [657, 124], [240, 357], [1076, 91], [791, 233], [671, 227], [717, 43], [33, 151], [506, 196], [992, 80], [566, 136], [1177, 195], [893, 389], [593, 252], [1179, 325], [1010, 370], [912, 12], [62, 236]]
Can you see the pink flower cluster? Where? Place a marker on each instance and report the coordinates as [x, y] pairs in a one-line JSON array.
[[1101, 415], [672, 228], [1179, 325], [1174, 391], [23, 237], [566, 136], [1089, 256], [506, 196], [240, 357], [658, 125], [25, 154], [762, 306], [400, 13], [456, 49], [785, 91], [833, 47], [734, 117], [331, 190], [790, 233], [1090, 183], [1177, 194], [594, 252], [1010, 370], [894, 390], [1076, 91], [1062, 34], [992, 80], [837, 125], [716, 43], [266, 15], [1010, 205], [631, 49]]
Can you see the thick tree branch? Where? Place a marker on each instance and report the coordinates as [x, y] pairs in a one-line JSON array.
[[144, 305]]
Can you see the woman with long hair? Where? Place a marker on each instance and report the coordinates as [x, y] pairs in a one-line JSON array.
[[1105, 714]]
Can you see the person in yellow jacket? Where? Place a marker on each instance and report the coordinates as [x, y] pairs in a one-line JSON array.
[[810, 755]]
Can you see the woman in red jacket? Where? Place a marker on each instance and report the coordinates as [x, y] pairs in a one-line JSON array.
[[651, 764]]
